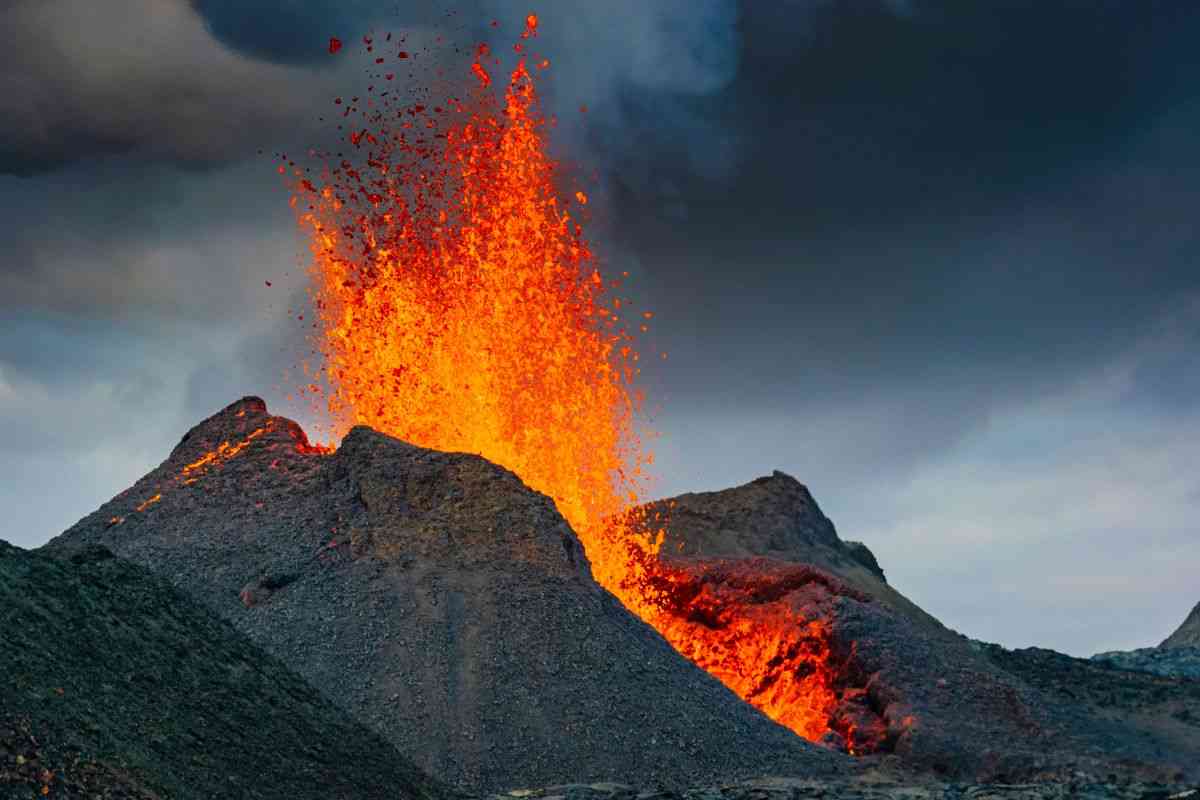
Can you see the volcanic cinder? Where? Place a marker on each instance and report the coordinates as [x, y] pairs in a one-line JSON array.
[[440, 601]]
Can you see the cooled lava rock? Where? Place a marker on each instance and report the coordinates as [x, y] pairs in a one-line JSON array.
[[115, 685], [438, 600], [902, 683]]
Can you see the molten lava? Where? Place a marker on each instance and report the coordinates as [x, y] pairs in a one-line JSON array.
[[461, 308], [194, 471]]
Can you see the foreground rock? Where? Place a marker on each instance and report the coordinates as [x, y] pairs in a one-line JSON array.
[[114, 685], [905, 684], [441, 602]]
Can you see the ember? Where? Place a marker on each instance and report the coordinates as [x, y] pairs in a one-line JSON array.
[[461, 308]]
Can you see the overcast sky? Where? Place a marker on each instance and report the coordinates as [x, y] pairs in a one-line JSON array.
[[936, 259]]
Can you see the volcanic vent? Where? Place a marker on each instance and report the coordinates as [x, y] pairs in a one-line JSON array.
[[439, 600]]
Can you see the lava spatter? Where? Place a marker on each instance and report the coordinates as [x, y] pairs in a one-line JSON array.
[[462, 308]]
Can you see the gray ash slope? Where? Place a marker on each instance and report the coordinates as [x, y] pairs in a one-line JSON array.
[[441, 602], [1188, 634], [113, 684], [915, 688]]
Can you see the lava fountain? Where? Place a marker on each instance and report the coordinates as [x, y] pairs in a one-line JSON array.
[[460, 307]]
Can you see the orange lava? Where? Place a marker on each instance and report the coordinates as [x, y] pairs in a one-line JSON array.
[[461, 308], [148, 502], [195, 470], [224, 451]]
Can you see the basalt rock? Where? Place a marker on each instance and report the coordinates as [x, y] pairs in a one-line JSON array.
[[438, 600]]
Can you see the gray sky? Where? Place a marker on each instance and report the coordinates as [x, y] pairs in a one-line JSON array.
[[935, 259]]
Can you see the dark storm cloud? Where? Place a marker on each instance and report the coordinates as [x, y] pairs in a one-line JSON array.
[[998, 189], [293, 31], [632, 63], [112, 241], [207, 82], [81, 80], [956, 108]]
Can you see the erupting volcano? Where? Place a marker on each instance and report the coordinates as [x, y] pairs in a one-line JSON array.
[[461, 308]]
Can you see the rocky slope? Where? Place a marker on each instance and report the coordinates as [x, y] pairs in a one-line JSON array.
[[906, 685], [1188, 634], [112, 684], [441, 602], [1178, 655], [775, 517]]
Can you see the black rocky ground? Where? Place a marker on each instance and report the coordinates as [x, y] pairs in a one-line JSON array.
[[441, 602], [114, 685]]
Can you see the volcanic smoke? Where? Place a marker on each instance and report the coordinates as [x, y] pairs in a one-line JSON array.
[[461, 308]]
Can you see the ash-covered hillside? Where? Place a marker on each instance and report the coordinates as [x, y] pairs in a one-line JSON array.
[[115, 685]]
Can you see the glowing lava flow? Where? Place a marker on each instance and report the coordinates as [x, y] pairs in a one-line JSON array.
[[212, 459], [460, 308]]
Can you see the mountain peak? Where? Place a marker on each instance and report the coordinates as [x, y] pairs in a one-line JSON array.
[[1188, 634]]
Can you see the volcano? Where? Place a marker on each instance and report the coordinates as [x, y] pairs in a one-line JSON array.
[[446, 605], [438, 600]]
